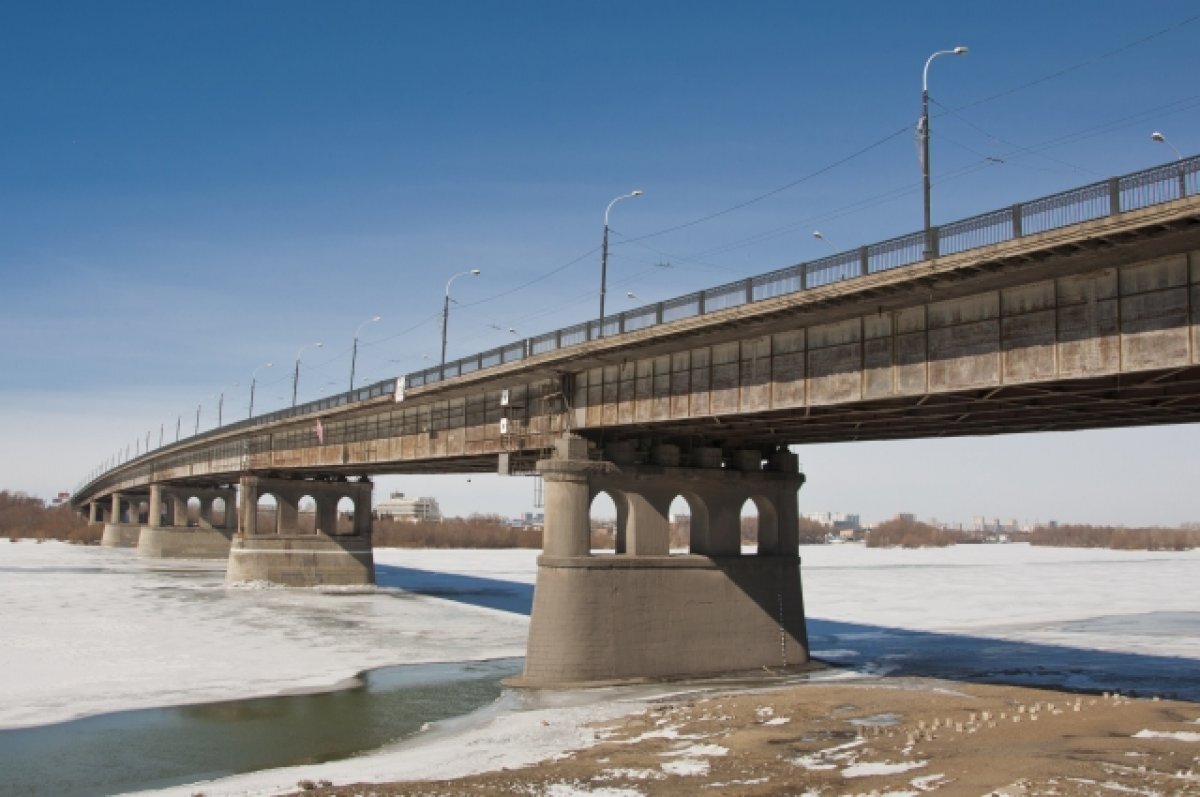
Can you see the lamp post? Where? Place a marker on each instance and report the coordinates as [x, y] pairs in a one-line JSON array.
[[296, 374], [604, 253], [1161, 139], [354, 350], [446, 307], [253, 382], [820, 237], [197, 420], [924, 132]]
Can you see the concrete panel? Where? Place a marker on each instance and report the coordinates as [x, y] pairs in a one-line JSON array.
[[878, 373], [726, 372], [822, 336], [611, 393], [912, 366], [1028, 343], [660, 407], [877, 326], [626, 393], [834, 374], [967, 310], [1028, 298], [1084, 288], [699, 402], [787, 369], [681, 365], [643, 390], [910, 320], [966, 354], [756, 375], [1169, 272]]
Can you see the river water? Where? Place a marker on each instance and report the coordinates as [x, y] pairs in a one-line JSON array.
[[154, 748]]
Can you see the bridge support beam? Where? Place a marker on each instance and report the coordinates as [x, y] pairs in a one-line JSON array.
[[648, 614], [169, 532], [270, 545]]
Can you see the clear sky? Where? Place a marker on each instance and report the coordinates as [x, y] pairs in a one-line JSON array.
[[190, 190]]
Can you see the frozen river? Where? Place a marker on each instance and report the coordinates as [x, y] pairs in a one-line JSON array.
[[91, 631]]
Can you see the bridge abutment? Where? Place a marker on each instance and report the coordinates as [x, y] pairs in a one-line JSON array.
[[271, 546], [645, 613]]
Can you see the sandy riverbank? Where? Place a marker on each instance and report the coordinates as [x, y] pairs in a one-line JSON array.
[[903, 736]]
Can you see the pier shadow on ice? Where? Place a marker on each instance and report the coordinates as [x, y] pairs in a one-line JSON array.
[[490, 593], [961, 657], [881, 650]]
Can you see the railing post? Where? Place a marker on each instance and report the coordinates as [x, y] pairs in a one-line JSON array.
[[700, 302], [1114, 196], [1016, 221], [749, 289], [863, 261], [803, 276], [557, 339], [658, 314], [621, 324], [931, 242]]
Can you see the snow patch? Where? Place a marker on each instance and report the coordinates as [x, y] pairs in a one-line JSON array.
[[687, 766], [1181, 736], [869, 769]]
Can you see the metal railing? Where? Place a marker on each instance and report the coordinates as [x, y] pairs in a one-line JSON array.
[[1142, 189]]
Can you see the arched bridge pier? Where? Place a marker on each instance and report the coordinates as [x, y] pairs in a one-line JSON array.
[[169, 530], [271, 546], [643, 612]]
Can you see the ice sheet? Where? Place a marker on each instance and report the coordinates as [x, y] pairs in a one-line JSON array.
[[89, 630]]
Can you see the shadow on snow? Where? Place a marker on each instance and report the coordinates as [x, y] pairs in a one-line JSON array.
[[490, 593]]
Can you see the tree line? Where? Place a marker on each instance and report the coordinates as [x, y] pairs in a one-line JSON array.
[[26, 517]]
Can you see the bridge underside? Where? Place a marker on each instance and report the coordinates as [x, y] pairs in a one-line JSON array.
[[1168, 396]]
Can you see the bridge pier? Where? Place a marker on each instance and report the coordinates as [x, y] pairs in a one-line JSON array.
[[168, 533], [280, 552], [647, 614], [123, 527]]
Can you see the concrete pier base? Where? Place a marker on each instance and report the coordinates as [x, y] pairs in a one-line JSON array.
[[120, 535], [184, 543], [603, 619], [302, 561]]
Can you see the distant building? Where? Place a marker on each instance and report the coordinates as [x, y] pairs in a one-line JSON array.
[[839, 521], [400, 507]]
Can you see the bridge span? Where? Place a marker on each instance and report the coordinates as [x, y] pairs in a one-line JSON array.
[[1076, 311]]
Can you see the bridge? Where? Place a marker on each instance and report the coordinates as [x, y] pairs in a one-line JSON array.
[[1074, 311]]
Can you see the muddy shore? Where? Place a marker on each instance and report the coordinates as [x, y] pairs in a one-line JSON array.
[[895, 736]]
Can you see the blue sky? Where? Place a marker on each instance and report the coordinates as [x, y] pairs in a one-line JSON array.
[[191, 190]]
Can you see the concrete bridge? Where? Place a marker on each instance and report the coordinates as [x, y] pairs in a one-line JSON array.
[[1076, 311]]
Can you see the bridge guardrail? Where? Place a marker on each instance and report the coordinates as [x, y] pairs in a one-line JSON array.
[[1146, 188]]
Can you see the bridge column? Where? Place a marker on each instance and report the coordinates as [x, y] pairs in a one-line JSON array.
[[122, 531], [93, 516], [285, 555], [646, 614]]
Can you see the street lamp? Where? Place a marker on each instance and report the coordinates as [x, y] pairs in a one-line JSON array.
[[253, 381], [604, 253], [296, 375], [817, 234], [354, 351], [924, 132], [446, 307], [1161, 139], [221, 405]]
